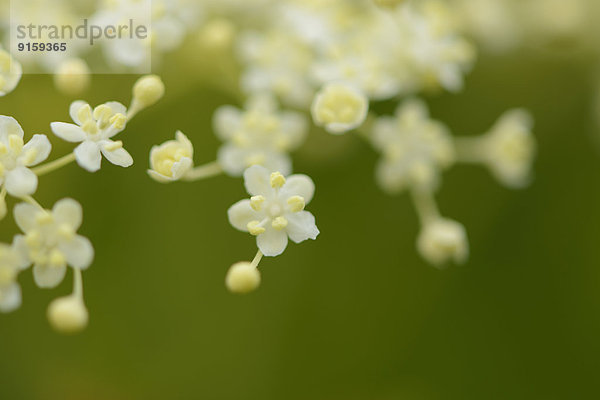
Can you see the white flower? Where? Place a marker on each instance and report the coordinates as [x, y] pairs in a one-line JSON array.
[[443, 240], [276, 209], [10, 73], [50, 240], [414, 147], [510, 148], [171, 160], [339, 107], [16, 157], [11, 263], [242, 277], [258, 135], [94, 130]]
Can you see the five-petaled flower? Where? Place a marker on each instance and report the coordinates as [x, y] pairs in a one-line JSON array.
[[171, 160], [94, 129], [51, 242], [276, 209], [16, 157]]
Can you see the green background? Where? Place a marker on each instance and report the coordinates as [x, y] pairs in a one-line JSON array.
[[355, 314]]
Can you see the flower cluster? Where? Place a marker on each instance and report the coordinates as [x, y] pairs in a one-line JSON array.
[[49, 241]]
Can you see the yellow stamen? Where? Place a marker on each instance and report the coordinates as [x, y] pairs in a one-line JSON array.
[[114, 146], [15, 143], [296, 203], [256, 202], [84, 113], [279, 223], [254, 228], [277, 180]]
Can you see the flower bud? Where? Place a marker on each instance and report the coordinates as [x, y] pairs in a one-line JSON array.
[[171, 160], [72, 76], [339, 108], [68, 314], [148, 90], [242, 277], [443, 240]]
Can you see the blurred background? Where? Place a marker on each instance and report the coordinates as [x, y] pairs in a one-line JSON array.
[[356, 314]]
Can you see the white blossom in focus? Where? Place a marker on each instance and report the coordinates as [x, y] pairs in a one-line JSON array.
[[171, 160], [50, 241], [16, 157], [94, 130], [10, 73], [509, 148], [276, 210], [260, 134], [339, 108], [442, 240], [11, 263], [415, 148]]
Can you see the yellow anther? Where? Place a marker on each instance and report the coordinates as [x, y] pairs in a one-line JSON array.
[[44, 218], [57, 258], [66, 231], [84, 113], [277, 180], [118, 121], [296, 203], [3, 149], [30, 156], [102, 114], [256, 202], [254, 228], [15, 143], [32, 238], [114, 146], [90, 127], [279, 223]]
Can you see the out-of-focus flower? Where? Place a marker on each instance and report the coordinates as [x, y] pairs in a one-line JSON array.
[[242, 277], [442, 240], [16, 157], [10, 73], [276, 210], [72, 76], [68, 314], [93, 129], [11, 263], [51, 242], [258, 135], [415, 148], [171, 160], [339, 108]]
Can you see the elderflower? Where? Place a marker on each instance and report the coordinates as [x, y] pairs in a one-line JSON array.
[[276, 210], [16, 157], [258, 135], [12, 262], [72, 76], [339, 108], [415, 148], [68, 314], [171, 160], [93, 129], [10, 73], [442, 240], [509, 148], [51, 241]]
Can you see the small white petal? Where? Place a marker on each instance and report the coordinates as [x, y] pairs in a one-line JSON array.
[[88, 156], [25, 215], [68, 211], [232, 159], [9, 126], [301, 226], [116, 107], [74, 109], [159, 177], [257, 180], [226, 121], [78, 251], [22, 251], [272, 242], [118, 156], [21, 182], [240, 214], [299, 185], [10, 298], [69, 132], [41, 145], [181, 167], [46, 276]]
